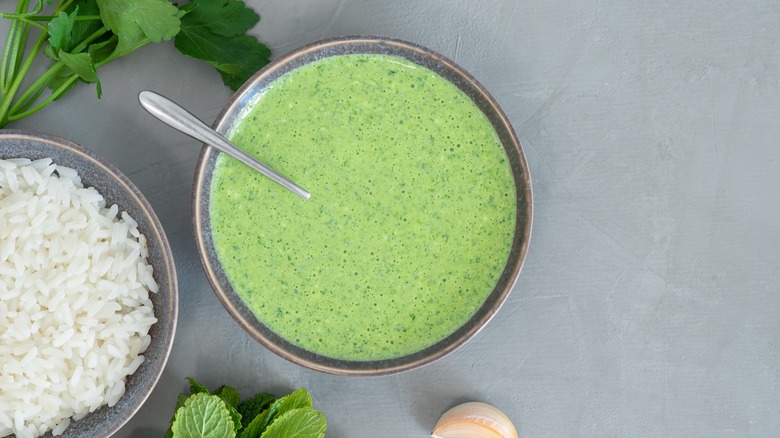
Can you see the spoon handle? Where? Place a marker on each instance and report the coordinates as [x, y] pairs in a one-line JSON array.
[[173, 115]]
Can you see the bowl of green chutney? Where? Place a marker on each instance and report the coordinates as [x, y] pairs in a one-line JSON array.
[[419, 218]]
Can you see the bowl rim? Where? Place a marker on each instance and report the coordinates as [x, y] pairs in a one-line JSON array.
[[127, 186], [305, 358]]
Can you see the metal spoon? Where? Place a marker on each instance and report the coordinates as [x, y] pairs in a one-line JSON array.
[[178, 118]]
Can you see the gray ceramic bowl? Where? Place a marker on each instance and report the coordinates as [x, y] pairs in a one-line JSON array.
[[117, 189], [359, 45]]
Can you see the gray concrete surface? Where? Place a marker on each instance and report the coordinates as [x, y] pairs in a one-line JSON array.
[[649, 304]]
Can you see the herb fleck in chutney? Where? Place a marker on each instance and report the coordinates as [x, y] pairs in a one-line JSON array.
[[411, 217]]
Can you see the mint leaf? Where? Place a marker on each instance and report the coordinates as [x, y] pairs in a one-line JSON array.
[[223, 17], [231, 398], [213, 32], [61, 28], [252, 407], [297, 423], [235, 416], [229, 395], [256, 426], [179, 403], [294, 400], [157, 20], [196, 387], [203, 416]]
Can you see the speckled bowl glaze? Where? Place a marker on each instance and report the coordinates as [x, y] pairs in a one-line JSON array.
[[233, 112], [116, 189]]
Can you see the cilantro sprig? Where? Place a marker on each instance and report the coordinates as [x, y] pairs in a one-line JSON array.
[[80, 36], [221, 414]]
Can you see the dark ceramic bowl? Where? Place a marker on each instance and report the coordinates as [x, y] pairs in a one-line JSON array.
[[233, 112], [116, 189]]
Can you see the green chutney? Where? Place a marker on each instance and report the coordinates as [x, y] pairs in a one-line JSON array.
[[410, 221]]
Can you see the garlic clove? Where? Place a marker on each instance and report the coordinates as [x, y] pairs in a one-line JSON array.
[[474, 420]]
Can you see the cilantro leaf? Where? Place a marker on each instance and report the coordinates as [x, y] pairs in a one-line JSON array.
[[156, 20], [81, 63], [83, 66], [102, 51], [297, 423], [252, 407], [223, 17], [294, 400], [203, 416], [236, 59], [64, 75], [82, 29], [80, 21], [128, 44], [213, 30], [61, 28]]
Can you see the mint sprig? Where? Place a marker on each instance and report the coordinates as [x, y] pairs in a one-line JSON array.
[[221, 415]]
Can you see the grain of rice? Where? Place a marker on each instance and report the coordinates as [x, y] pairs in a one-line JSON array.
[[74, 298]]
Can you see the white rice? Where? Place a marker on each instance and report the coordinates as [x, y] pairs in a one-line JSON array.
[[75, 311]]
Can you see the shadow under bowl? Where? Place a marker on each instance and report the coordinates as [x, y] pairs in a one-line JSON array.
[[116, 189], [238, 106]]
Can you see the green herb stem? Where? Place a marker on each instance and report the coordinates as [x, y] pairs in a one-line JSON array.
[[21, 10], [11, 53], [6, 72], [51, 98], [8, 97], [19, 49], [15, 108], [62, 7], [33, 91], [31, 21], [27, 17]]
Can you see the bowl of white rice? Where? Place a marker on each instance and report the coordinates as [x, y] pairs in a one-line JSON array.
[[88, 291]]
